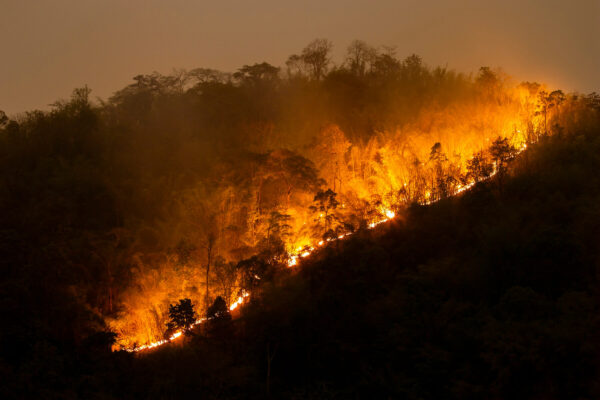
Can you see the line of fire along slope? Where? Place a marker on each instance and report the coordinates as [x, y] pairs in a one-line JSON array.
[[303, 252]]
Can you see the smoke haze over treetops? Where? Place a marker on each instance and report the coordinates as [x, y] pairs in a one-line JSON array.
[[50, 47]]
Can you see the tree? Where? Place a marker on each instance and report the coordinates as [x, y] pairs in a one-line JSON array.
[[502, 152], [253, 270], [543, 106], [182, 316], [81, 96], [256, 73], [316, 56], [359, 57], [218, 310], [592, 101], [296, 172], [295, 66], [205, 223], [278, 225], [530, 91], [488, 79], [386, 64], [204, 76], [324, 204], [555, 99], [330, 156], [440, 180], [547, 102], [479, 168], [413, 69]]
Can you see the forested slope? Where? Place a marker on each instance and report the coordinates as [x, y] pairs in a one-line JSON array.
[[492, 294]]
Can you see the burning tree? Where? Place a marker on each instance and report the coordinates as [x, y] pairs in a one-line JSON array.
[[502, 152], [444, 173]]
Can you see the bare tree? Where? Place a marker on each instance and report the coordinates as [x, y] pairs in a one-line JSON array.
[[360, 57], [314, 60]]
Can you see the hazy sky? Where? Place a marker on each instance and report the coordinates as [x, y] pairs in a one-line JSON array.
[[49, 47]]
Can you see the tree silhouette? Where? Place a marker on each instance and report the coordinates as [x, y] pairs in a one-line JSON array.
[[254, 74], [360, 57], [314, 59], [324, 204], [252, 270], [181, 315], [478, 168], [218, 309], [502, 152], [278, 226]]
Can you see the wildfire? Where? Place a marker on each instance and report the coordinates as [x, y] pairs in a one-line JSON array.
[[305, 251], [302, 252]]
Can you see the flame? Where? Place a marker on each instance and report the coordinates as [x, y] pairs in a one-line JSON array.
[[293, 261], [175, 336], [240, 300], [158, 343]]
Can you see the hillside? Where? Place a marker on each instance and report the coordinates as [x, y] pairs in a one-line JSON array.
[[493, 294]]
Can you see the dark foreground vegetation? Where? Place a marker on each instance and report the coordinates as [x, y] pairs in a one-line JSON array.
[[493, 294]]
